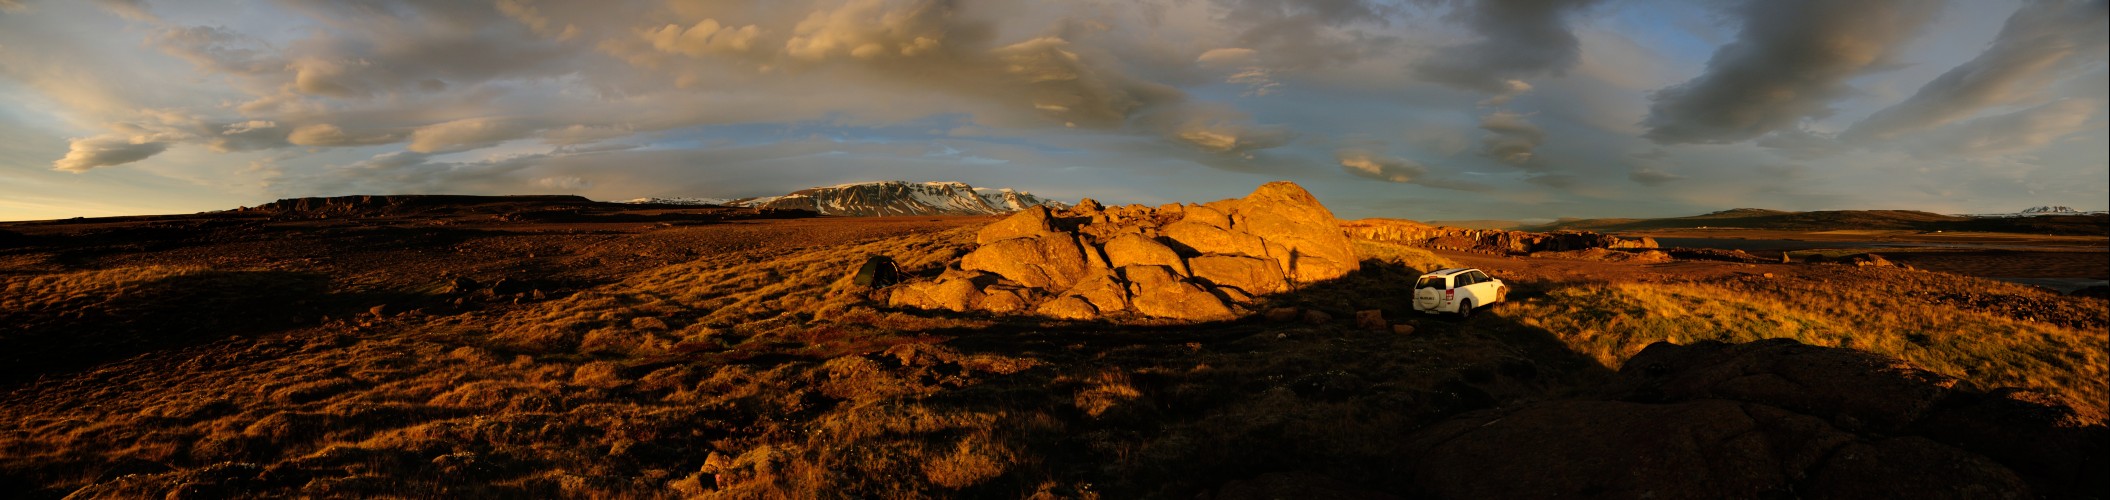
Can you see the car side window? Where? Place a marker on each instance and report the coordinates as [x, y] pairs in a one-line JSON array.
[[1465, 280], [1480, 277]]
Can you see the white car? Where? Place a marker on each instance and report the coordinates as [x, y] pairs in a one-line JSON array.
[[1458, 291]]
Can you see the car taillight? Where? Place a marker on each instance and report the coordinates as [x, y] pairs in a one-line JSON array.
[[1448, 292]]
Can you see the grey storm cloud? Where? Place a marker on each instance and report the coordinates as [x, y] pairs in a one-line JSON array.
[[1790, 61], [1517, 39], [1372, 165], [1512, 138], [2043, 40], [1309, 33]]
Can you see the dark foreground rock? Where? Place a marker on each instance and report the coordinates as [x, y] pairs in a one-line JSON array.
[[1773, 418]]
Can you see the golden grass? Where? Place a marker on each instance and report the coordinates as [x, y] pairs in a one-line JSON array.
[[76, 292], [1411, 257], [1613, 321], [721, 298], [764, 374]]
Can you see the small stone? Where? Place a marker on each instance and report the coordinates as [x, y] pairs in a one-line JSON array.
[[1403, 329], [1373, 320], [1281, 314], [379, 311], [1317, 318]]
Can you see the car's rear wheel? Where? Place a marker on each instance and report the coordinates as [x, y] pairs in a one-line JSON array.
[[1465, 309]]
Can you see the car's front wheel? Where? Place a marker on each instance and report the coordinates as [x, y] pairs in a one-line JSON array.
[[1465, 309]]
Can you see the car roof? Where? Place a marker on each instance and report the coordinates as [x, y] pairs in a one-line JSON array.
[[1448, 272]]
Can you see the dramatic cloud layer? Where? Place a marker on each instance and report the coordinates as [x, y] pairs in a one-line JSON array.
[[2043, 40], [1517, 40], [1441, 109], [1791, 60]]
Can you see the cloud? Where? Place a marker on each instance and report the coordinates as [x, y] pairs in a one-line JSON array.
[[324, 134], [1309, 34], [1384, 168], [1371, 165], [1228, 56], [705, 37], [128, 9], [564, 182], [2041, 41], [580, 133], [1258, 80], [466, 134], [1651, 177], [1792, 59], [1802, 144], [106, 150], [1512, 138], [247, 136], [2014, 132], [1517, 39]]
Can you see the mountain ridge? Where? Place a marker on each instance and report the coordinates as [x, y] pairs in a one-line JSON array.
[[884, 198], [2046, 222]]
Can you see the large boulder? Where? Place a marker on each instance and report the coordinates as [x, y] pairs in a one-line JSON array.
[[1285, 214], [1033, 221], [1700, 449], [957, 295], [1157, 292], [1071, 307], [1136, 249], [1197, 238], [1051, 261], [1768, 418], [1252, 275], [1208, 216], [1105, 292], [1853, 387]]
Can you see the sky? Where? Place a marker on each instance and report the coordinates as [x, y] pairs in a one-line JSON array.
[[1418, 109]]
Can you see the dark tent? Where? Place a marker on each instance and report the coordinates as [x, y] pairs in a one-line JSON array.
[[878, 271]]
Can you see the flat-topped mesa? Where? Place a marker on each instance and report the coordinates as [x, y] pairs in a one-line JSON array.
[[368, 205], [1204, 262], [1484, 240]]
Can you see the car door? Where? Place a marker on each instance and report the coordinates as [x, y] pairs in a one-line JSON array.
[[1483, 288]]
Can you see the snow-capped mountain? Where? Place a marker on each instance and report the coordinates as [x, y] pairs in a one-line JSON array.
[[2050, 209], [681, 201], [870, 199], [2041, 211]]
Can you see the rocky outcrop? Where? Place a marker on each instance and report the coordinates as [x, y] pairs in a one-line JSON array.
[[1204, 262], [1766, 418], [1485, 240]]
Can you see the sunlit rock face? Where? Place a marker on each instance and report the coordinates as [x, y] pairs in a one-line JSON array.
[[1181, 262]]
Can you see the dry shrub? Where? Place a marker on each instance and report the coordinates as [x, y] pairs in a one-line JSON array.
[[312, 391], [976, 458], [1104, 391], [601, 374]]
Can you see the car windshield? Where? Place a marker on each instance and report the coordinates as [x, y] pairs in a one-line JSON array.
[[1431, 282]]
